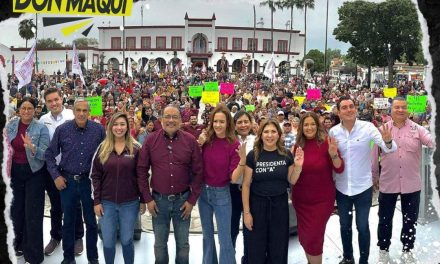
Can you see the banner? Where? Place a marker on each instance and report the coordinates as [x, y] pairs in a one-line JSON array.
[[129, 67], [76, 66], [95, 105], [390, 92], [210, 97], [313, 94], [195, 91], [23, 70], [249, 108], [416, 104], [211, 86], [227, 88], [71, 7], [381, 103]]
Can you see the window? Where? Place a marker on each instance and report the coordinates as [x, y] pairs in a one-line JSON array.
[[161, 42], [222, 44], [236, 44], [267, 45], [282, 45], [130, 43], [116, 42], [200, 44], [252, 44], [145, 42], [176, 43]]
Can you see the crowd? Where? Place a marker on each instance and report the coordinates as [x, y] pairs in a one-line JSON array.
[[156, 148]]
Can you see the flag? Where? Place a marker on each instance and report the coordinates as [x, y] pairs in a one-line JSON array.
[[129, 69], [178, 65], [76, 66], [269, 72], [23, 70], [156, 68], [185, 69], [204, 68], [139, 66]]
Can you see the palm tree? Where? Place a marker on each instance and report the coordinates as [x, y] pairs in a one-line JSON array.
[[25, 29], [272, 5], [290, 4], [304, 4]]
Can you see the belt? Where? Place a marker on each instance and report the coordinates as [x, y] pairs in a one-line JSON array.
[[75, 177], [171, 197]]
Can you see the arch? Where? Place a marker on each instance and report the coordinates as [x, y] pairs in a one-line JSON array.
[[126, 62], [200, 43], [225, 66], [161, 63], [174, 61], [256, 66], [236, 65], [113, 64], [282, 69], [143, 61]]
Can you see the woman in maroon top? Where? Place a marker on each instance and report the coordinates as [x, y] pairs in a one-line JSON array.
[[313, 195]]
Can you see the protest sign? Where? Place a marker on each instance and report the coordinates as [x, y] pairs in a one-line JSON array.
[[95, 105], [249, 108], [195, 91], [227, 88], [381, 103], [313, 94], [416, 104], [211, 86], [210, 97], [300, 99], [390, 92]]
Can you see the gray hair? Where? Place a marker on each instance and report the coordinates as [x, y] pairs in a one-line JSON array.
[[398, 98], [81, 99]]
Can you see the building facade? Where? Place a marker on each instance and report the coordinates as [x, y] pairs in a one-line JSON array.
[[198, 42]]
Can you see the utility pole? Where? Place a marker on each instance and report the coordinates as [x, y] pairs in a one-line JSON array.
[[253, 50], [325, 51], [123, 44], [36, 40]]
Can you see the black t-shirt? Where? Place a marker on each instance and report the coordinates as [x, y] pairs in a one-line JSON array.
[[269, 176]]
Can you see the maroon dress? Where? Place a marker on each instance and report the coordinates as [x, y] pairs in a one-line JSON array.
[[313, 195]]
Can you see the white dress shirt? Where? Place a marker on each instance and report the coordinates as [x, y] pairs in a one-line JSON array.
[[52, 123], [355, 149]]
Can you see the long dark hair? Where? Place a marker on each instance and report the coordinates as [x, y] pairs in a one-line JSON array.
[[320, 132], [230, 131], [259, 145]]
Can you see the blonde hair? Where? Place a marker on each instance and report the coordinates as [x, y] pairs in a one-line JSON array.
[[108, 144]]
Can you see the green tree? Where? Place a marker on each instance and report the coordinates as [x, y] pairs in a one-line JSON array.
[[85, 42], [332, 54], [48, 43], [272, 5], [289, 4], [305, 4], [318, 57], [380, 33], [25, 29]]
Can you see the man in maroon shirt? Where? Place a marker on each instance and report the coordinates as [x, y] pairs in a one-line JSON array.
[[193, 127], [174, 157]]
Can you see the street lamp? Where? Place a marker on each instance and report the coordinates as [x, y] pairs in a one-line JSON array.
[[122, 28], [146, 6]]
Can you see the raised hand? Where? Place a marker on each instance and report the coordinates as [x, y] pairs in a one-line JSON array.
[[299, 157], [385, 131], [242, 152], [27, 140], [332, 146]]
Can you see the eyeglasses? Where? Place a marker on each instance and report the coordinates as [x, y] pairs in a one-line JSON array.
[[169, 117], [24, 109]]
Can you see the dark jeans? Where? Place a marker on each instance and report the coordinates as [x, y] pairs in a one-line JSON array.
[[78, 190], [237, 209], [410, 212], [27, 211], [268, 241], [56, 212], [362, 205]]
